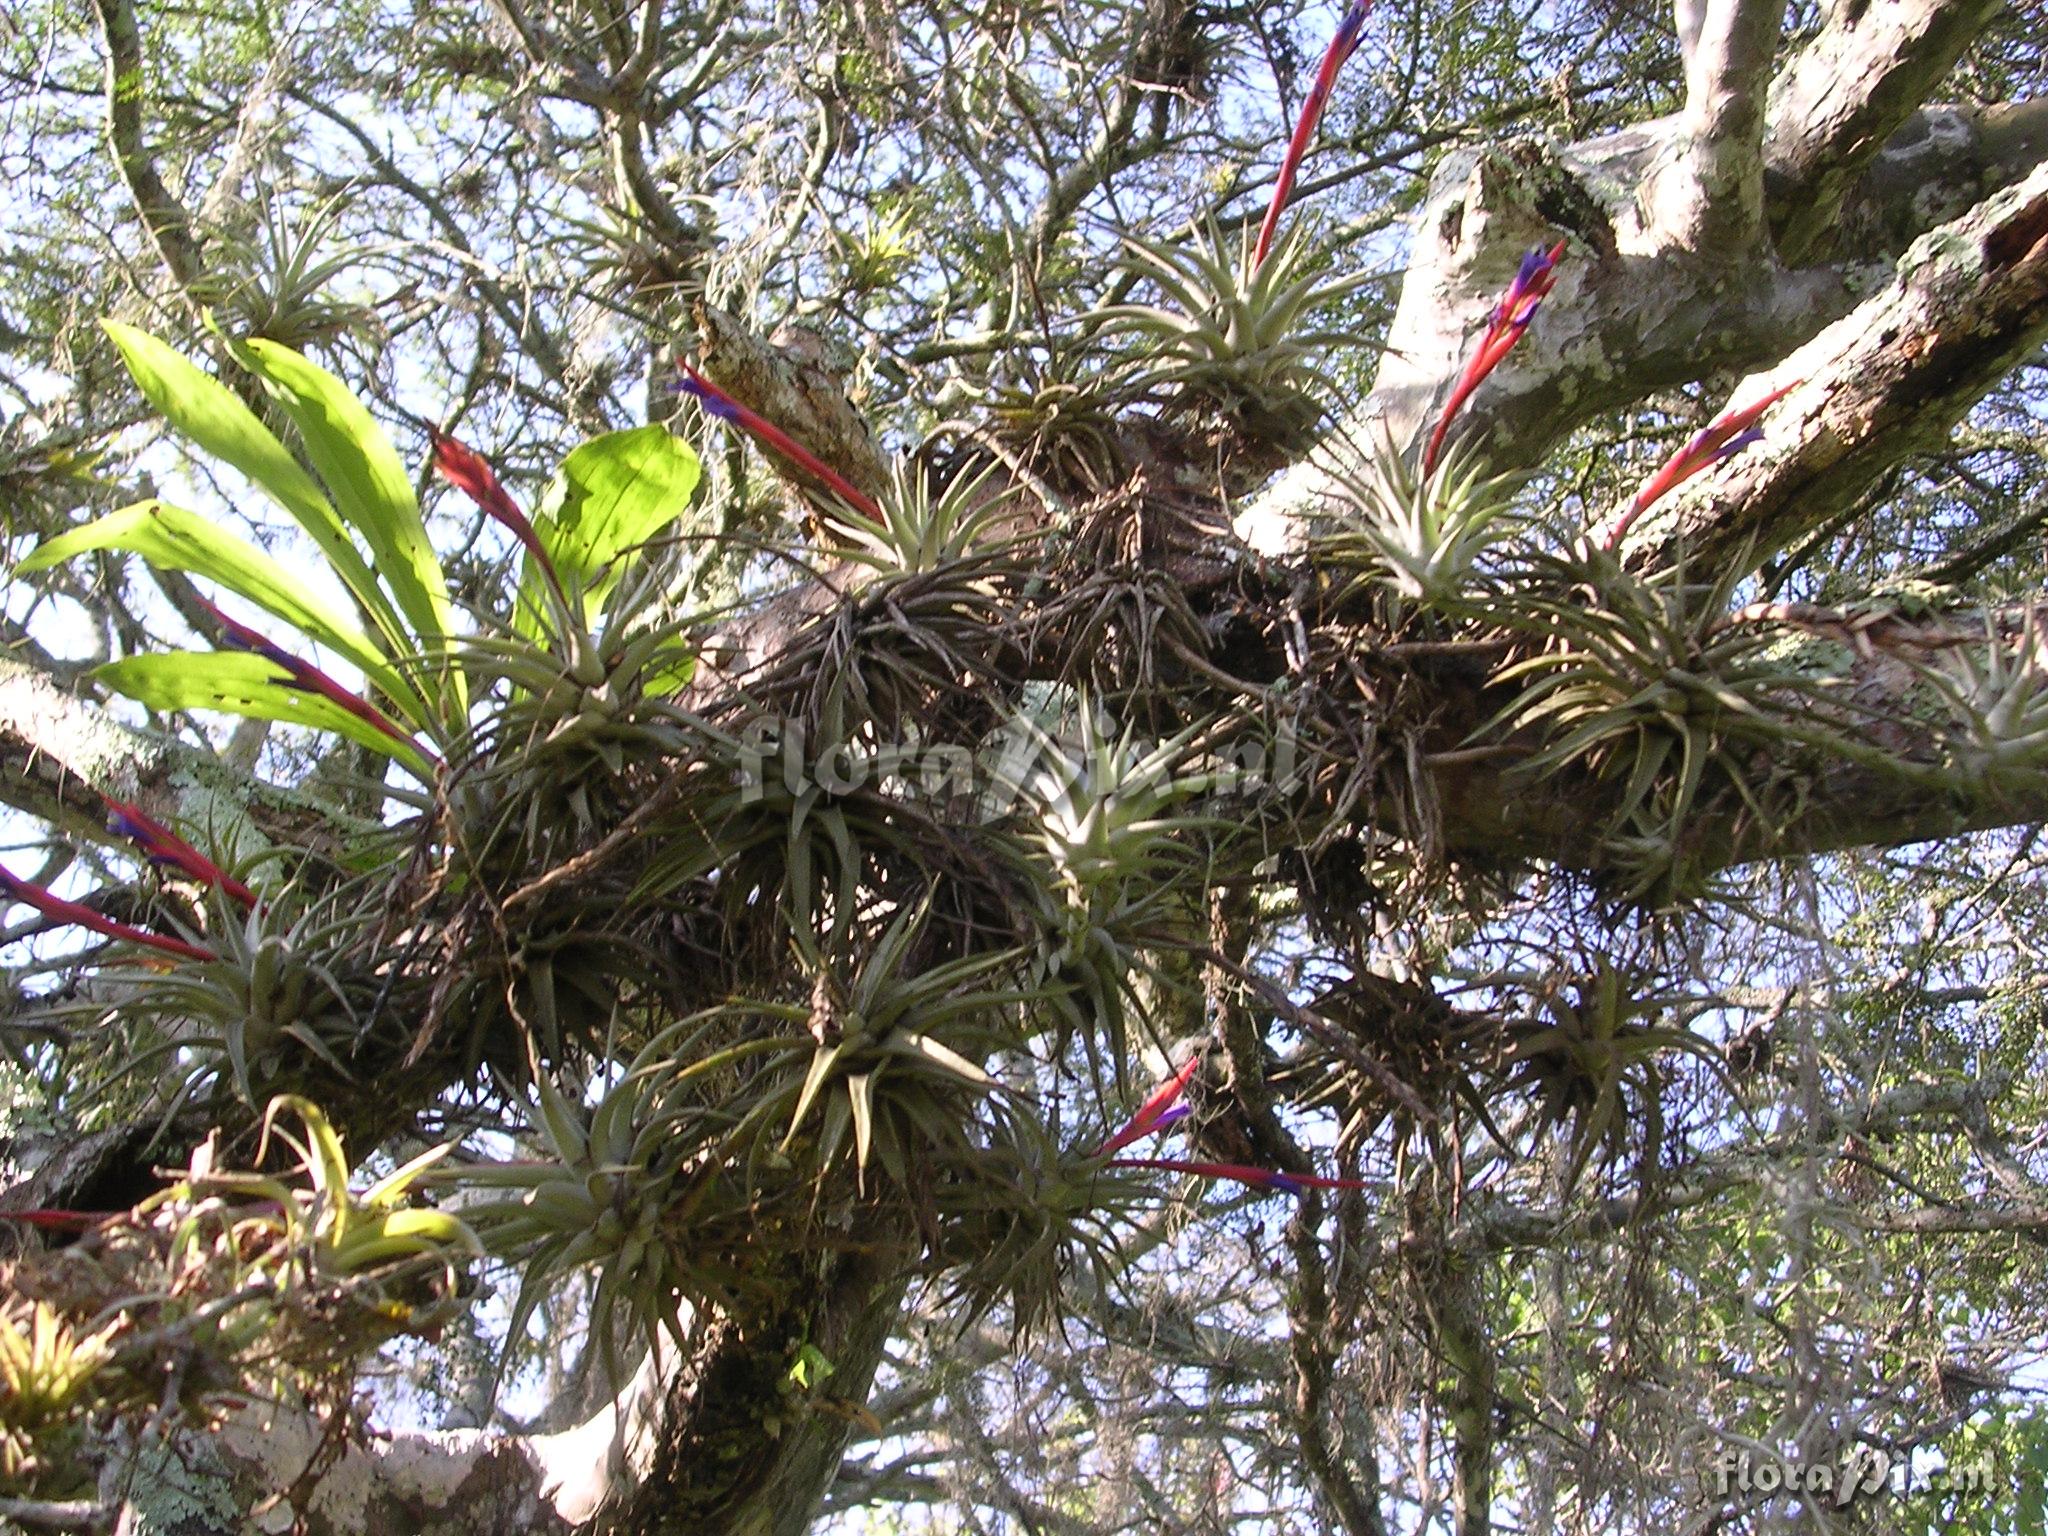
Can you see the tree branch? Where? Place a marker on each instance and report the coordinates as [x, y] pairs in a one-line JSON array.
[[169, 225], [1882, 764], [59, 755], [1707, 191], [534, 1485], [1889, 380], [1493, 1225], [1839, 99]]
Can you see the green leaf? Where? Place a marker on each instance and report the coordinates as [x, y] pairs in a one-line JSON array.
[[242, 683], [812, 1365], [860, 1096], [209, 413], [948, 1058], [178, 540], [326, 1165], [611, 493], [823, 1061], [385, 1194], [368, 481]]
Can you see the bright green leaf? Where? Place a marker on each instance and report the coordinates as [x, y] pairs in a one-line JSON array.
[[366, 477], [242, 683], [612, 493], [172, 538], [210, 414]]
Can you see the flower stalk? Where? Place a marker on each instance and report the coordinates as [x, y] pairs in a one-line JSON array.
[[1730, 434], [1242, 1173], [471, 473], [307, 678], [1156, 1113], [164, 847], [1342, 46], [718, 403], [76, 914], [1510, 319]]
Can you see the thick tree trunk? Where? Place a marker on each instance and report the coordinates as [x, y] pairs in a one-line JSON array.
[[713, 1438]]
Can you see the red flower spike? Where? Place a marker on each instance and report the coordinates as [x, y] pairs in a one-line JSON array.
[[1730, 434], [718, 403], [1511, 317], [78, 915], [307, 678], [470, 473], [163, 846], [1342, 46], [1151, 1113], [1242, 1173]]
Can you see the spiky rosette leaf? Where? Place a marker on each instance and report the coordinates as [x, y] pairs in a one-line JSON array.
[[1104, 807], [1997, 696], [895, 1075], [1016, 1232], [226, 1285], [924, 529], [1424, 535], [615, 1183], [285, 997], [44, 1364], [1232, 329], [1063, 413], [563, 716], [1645, 685], [1101, 818], [1589, 1059], [345, 1233]]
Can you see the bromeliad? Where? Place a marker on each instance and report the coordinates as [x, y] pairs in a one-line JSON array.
[[1342, 46], [307, 678], [1732, 433], [1511, 317], [160, 845], [718, 403]]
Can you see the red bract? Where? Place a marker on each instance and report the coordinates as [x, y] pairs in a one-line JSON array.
[[470, 473], [1731, 433], [1341, 48], [163, 846], [308, 678], [718, 403], [1151, 1115], [1711, 445], [1511, 317], [78, 915], [1242, 1173]]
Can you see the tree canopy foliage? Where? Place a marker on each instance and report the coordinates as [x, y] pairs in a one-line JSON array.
[[1036, 767]]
